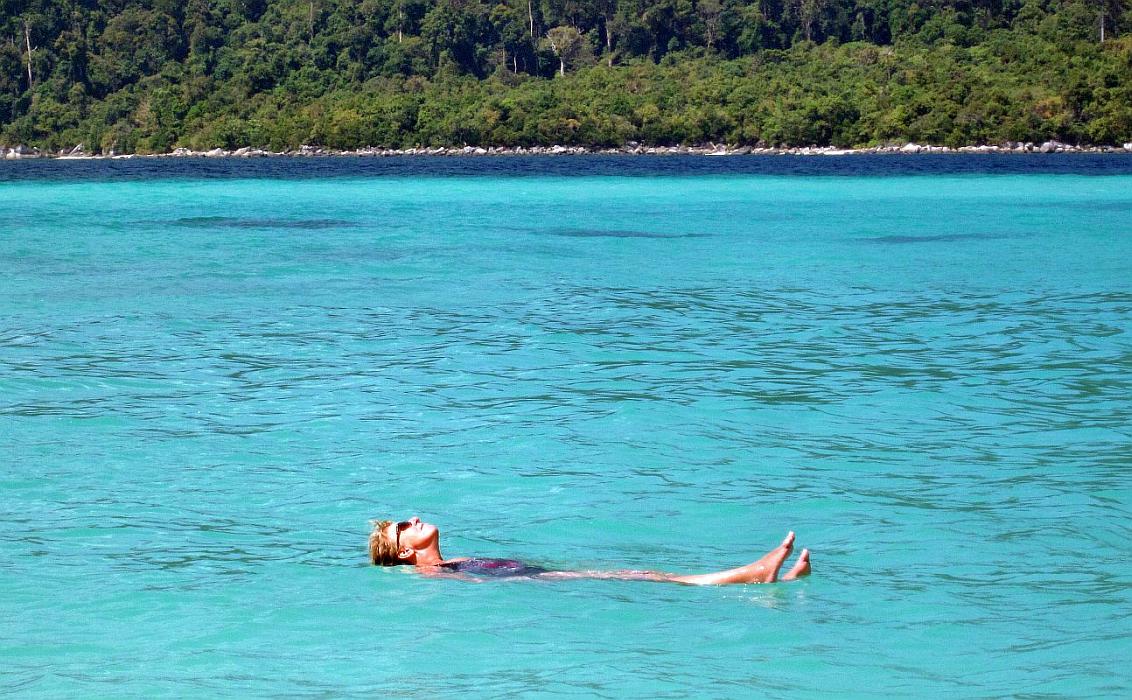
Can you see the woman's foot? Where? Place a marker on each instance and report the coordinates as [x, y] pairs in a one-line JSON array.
[[765, 570], [801, 567]]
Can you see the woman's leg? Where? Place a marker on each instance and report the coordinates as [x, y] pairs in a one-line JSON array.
[[764, 570]]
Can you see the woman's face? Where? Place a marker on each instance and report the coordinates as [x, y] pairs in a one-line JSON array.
[[412, 533]]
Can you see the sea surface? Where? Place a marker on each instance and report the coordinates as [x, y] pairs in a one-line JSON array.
[[214, 373]]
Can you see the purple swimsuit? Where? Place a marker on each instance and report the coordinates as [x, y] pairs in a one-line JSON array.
[[498, 568]]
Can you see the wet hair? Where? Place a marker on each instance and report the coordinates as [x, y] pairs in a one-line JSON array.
[[382, 552]]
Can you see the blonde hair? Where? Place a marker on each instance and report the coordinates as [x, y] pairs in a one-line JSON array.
[[382, 552]]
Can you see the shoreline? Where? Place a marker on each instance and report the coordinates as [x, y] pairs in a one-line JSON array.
[[632, 149]]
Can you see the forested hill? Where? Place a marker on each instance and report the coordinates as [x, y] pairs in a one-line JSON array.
[[152, 75]]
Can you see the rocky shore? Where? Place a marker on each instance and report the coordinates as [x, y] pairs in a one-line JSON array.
[[79, 152]]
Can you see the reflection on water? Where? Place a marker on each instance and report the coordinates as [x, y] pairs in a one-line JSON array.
[[602, 233], [940, 238], [222, 222]]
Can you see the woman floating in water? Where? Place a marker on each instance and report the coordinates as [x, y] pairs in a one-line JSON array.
[[418, 543]]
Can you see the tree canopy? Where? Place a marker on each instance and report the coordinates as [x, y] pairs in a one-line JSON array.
[[151, 75]]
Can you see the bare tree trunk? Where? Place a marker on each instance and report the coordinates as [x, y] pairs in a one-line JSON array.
[[608, 44], [27, 38], [310, 22]]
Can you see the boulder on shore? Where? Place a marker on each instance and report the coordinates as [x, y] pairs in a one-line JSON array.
[[21, 151], [911, 148]]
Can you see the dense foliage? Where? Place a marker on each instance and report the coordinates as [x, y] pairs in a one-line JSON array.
[[150, 75]]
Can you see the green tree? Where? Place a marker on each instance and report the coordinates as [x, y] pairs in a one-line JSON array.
[[567, 44], [451, 32]]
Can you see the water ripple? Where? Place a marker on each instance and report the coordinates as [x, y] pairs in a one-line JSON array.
[[195, 429]]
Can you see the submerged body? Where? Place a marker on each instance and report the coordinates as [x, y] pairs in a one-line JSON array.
[[495, 568], [417, 543]]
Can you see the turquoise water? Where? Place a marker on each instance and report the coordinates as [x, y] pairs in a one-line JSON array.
[[209, 383]]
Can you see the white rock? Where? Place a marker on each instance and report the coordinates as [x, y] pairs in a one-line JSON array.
[[910, 148]]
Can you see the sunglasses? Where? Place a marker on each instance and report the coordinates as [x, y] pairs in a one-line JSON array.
[[401, 527]]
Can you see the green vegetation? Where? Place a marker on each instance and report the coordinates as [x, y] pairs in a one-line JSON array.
[[151, 75]]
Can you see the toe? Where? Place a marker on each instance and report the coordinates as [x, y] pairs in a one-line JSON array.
[[789, 541]]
